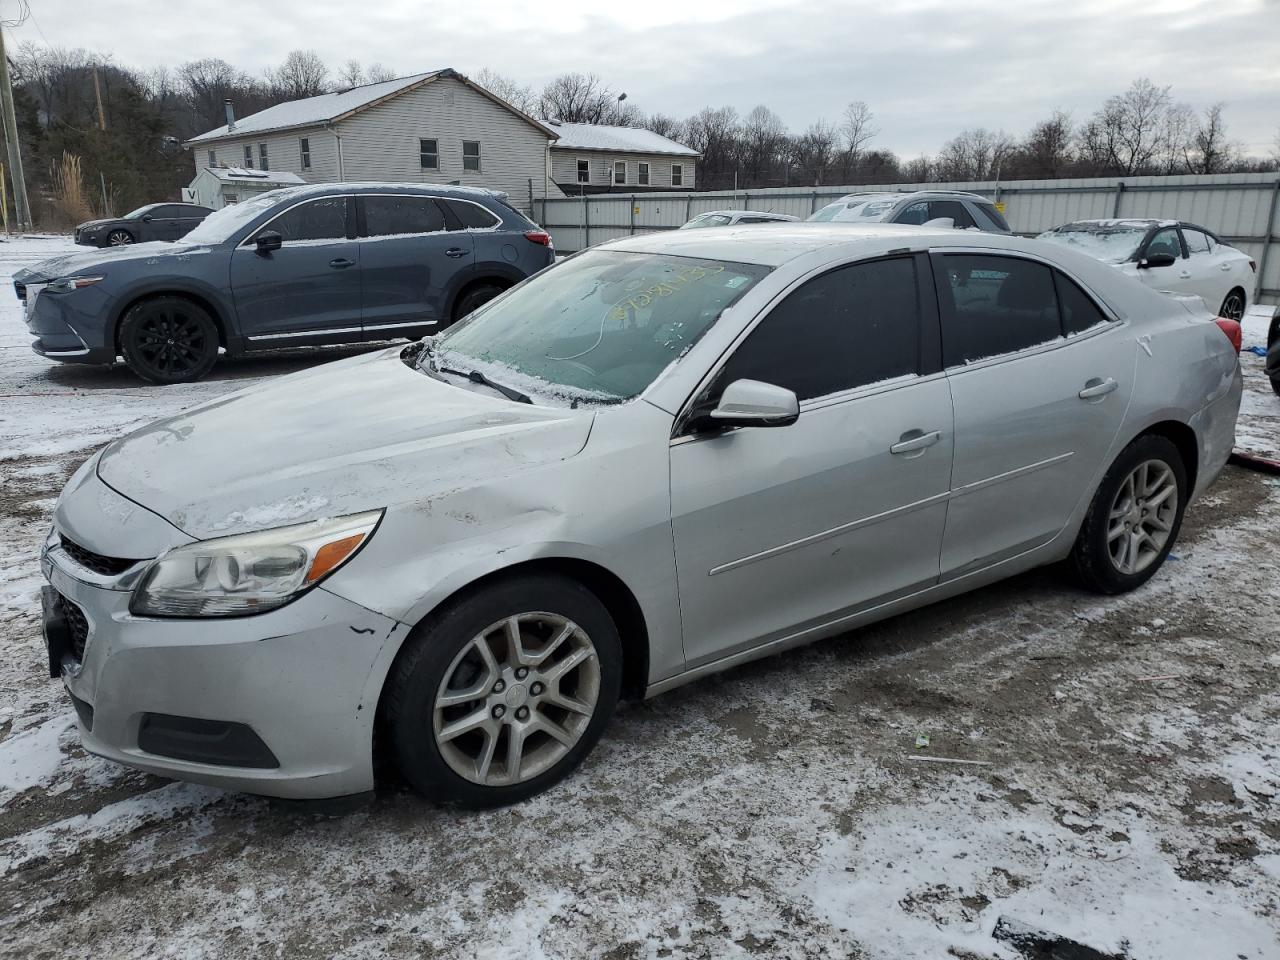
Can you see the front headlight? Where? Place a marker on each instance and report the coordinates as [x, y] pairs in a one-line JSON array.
[[249, 573], [69, 284]]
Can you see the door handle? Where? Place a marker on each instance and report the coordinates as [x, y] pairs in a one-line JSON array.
[[1097, 387], [914, 441], [1184, 275], [341, 263], [1225, 268], [455, 252]]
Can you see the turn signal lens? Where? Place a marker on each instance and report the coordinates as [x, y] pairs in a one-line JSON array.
[[331, 555]]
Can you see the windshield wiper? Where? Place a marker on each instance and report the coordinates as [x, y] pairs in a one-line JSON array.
[[475, 376]]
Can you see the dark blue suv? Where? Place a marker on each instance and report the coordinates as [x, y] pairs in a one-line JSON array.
[[337, 263]]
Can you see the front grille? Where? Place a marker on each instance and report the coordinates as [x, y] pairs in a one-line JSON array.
[[77, 626], [105, 566]]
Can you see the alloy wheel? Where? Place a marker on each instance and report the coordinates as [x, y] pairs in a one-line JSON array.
[[119, 238], [171, 343], [1233, 307], [516, 699], [1141, 517]]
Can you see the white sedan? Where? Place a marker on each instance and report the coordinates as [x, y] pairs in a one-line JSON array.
[[1170, 256]]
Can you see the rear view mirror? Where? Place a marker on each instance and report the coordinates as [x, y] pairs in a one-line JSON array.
[[267, 241], [1157, 260], [750, 403]]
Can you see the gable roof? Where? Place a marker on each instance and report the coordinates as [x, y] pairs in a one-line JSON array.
[[331, 107], [598, 136]]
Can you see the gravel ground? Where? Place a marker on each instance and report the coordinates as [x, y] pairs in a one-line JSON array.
[[1126, 795]]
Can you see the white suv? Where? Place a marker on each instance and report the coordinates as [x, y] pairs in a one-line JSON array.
[[966, 211]]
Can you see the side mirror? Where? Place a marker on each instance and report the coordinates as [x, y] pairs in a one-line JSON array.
[[267, 241], [750, 403], [147, 218], [1157, 260]]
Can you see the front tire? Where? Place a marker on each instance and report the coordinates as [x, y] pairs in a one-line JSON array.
[[119, 238], [504, 693], [1134, 518], [168, 340]]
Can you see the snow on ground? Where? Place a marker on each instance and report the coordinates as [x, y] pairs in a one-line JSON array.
[[1126, 795]]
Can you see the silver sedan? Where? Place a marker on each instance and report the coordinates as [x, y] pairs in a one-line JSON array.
[[661, 458]]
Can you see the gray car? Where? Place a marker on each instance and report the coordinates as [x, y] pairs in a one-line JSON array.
[[661, 458], [338, 263], [155, 221], [965, 211]]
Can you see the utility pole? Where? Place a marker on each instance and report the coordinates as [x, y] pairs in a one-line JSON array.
[[22, 208], [97, 92]]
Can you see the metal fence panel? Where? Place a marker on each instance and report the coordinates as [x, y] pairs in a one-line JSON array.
[[1239, 207]]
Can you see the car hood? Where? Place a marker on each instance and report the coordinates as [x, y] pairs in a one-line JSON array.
[[360, 434], [74, 263], [90, 224]]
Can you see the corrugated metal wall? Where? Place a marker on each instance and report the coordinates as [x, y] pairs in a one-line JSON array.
[[1239, 207]]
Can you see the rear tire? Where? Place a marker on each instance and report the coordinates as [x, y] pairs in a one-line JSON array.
[[474, 299], [1134, 518], [168, 340], [469, 727], [1233, 306]]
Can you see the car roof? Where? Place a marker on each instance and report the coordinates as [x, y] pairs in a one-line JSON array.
[[910, 195], [1141, 222], [793, 239], [742, 213]]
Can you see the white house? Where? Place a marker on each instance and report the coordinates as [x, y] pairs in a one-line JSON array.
[[594, 158], [436, 127], [217, 187]]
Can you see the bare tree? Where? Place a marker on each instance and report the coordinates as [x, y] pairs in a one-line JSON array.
[[815, 150], [919, 169], [669, 127], [714, 133], [351, 75], [379, 73], [1130, 129], [585, 98], [763, 141], [303, 74], [857, 128], [977, 154], [522, 97], [1047, 151], [1208, 150]]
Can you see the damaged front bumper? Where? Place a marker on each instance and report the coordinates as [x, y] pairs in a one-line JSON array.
[[269, 704]]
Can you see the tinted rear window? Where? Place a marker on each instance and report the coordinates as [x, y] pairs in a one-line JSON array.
[[472, 214], [1001, 305], [989, 211], [393, 216]]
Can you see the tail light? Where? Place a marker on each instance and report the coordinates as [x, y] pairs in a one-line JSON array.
[[540, 237], [1253, 265], [1232, 329]]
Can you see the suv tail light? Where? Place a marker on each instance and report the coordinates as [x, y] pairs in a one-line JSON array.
[[540, 237], [1253, 265], [1232, 329]]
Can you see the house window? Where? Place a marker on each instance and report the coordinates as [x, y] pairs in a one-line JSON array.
[[229, 198], [642, 174], [677, 174], [304, 149], [429, 154], [471, 155], [248, 156], [213, 159], [262, 156], [619, 171], [584, 171]]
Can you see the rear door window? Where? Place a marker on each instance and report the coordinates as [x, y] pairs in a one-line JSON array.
[[1197, 242], [953, 209], [472, 215], [1079, 312], [853, 326], [989, 211], [401, 215], [999, 305]]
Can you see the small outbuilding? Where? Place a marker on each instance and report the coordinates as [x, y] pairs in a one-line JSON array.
[[596, 158], [217, 187]]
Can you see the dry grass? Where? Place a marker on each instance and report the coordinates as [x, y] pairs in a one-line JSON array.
[[70, 198]]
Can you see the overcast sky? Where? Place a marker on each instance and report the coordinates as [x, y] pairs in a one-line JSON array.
[[928, 68]]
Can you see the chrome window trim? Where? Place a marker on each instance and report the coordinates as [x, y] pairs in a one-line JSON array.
[[398, 325]]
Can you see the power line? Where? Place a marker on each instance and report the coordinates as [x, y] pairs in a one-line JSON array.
[[24, 12]]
